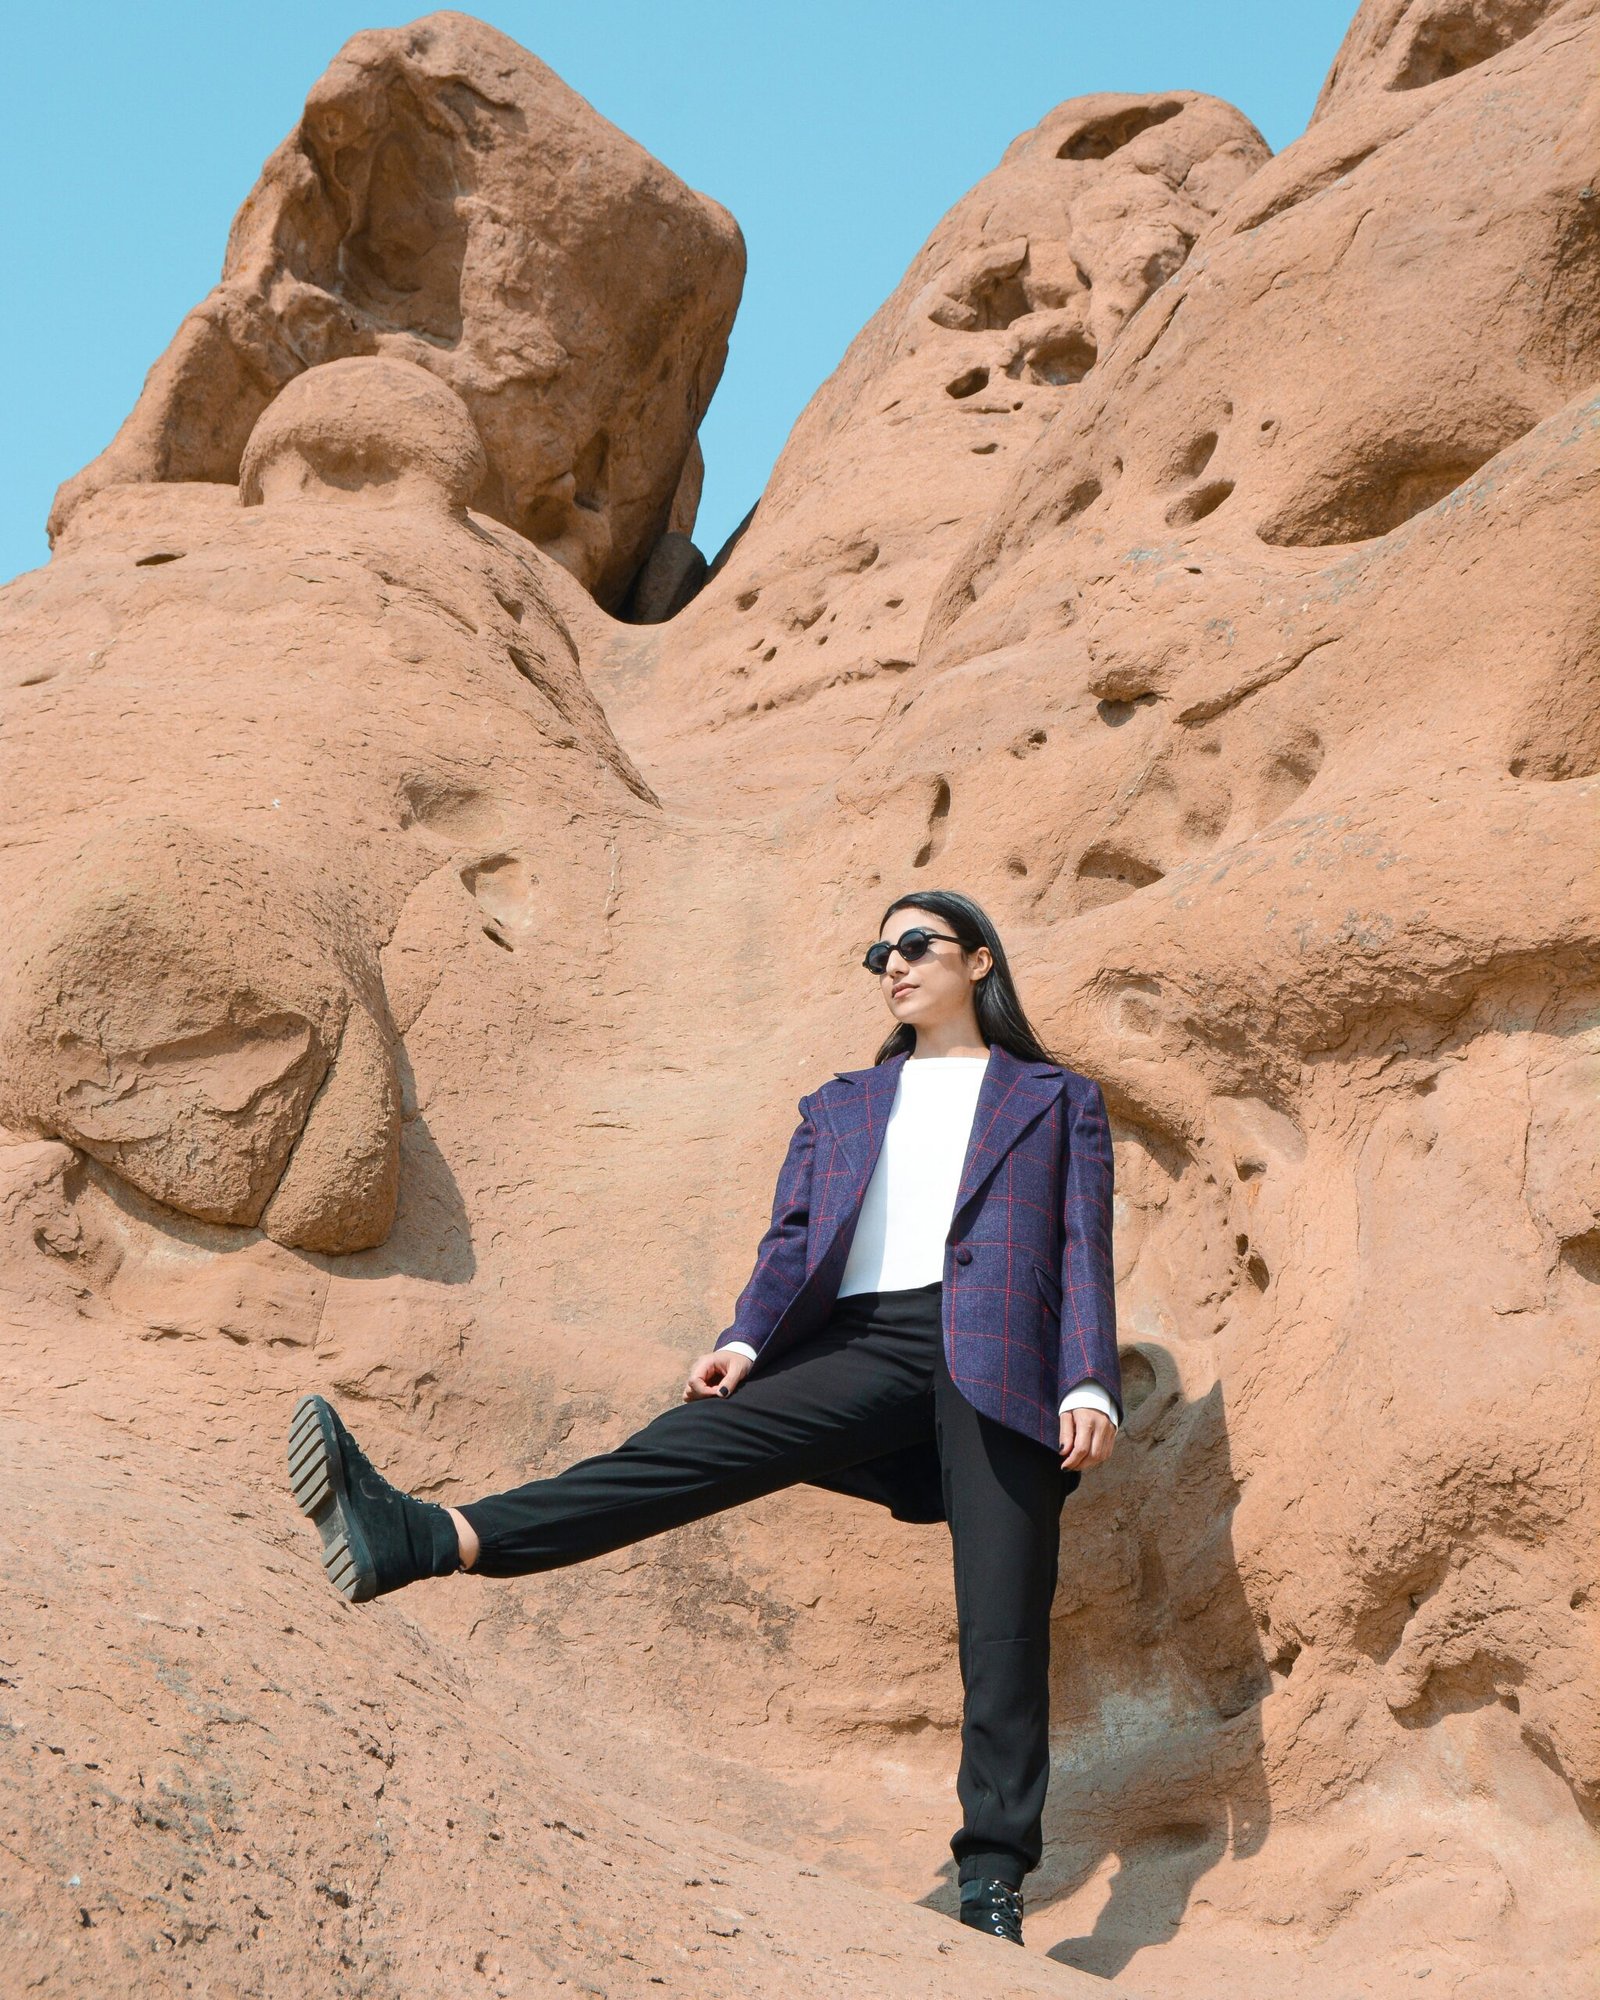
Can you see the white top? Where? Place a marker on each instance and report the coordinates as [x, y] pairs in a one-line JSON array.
[[901, 1234], [905, 1214]]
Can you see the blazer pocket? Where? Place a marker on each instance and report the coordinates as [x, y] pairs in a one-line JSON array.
[[1049, 1287]]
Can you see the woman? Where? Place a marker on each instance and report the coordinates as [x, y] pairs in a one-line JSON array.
[[929, 1324]]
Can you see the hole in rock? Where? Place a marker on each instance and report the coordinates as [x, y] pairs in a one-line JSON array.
[[1554, 764], [938, 817], [1241, 1244], [1582, 1255], [1114, 713], [1287, 775], [1016, 865], [511, 606], [1138, 1378], [1461, 36], [967, 383], [1191, 507], [444, 806], [495, 935], [401, 261], [1372, 500], [1248, 1169], [1195, 460], [747, 600], [1029, 741], [160, 556], [1077, 500], [1102, 137], [1116, 873], [997, 301], [1256, 1271], [1060, 361]]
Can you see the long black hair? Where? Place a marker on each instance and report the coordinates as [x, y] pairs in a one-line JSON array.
[[1000, 1015]]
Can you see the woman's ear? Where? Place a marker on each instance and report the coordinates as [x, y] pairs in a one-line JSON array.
[[981, 963]]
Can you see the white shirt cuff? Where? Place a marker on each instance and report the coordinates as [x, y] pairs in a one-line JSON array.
[[739, 1347], [1089, 1396]]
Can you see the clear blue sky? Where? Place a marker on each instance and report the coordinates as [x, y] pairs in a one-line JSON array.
[[837, 132]]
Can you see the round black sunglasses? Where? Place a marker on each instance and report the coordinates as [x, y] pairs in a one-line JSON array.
[[912, 944]]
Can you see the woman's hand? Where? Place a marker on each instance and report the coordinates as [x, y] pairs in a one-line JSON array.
[[716, 1374], [1087, 1438]]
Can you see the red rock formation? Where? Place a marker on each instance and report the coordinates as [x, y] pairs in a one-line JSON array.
[[445, 199], [1247, 678]]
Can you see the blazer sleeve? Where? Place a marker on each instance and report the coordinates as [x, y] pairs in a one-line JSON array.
[[1088, 1284], [780, 1266]]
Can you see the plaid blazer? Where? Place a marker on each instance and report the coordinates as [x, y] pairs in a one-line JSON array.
[[1029, 1306]]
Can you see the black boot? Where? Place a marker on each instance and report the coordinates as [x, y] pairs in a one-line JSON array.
[[992, 1907], [374, 1537]]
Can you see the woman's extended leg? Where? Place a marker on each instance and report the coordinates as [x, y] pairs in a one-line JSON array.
[[1003, 1495], [860, 1387]]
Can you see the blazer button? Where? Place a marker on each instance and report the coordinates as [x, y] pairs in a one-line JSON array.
[[963, 1255]]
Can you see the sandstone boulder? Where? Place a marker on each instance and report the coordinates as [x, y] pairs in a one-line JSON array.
[[446, 200], [380, 430], [177, 1005]]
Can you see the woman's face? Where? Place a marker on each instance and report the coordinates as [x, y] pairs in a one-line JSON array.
[[938, 988]]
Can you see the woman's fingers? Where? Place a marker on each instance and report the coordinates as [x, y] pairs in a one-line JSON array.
[[715, 1374], [1087, 1437], [703, 1378]]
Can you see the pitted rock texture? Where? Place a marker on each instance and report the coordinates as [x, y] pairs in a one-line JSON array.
[[448, 201], [987, 340], [1250, 681]]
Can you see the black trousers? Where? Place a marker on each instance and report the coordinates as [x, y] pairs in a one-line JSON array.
[[872, 1381]]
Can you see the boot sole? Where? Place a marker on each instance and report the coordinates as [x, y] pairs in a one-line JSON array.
[[316, 1477]]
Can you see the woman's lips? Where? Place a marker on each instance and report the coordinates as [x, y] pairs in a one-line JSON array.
[[905, 987]]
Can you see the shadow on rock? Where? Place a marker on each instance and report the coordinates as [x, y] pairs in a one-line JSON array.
[[1160, 1677]]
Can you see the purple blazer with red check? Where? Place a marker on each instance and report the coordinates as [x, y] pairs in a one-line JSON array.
[[1029, 1308]]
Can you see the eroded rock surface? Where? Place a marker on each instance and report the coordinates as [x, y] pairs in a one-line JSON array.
[[1250, 681], [988, 339]]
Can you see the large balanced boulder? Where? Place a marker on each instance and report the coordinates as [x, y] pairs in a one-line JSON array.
[[447, 200]]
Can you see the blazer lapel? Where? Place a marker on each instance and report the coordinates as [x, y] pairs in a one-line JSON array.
[[1013, 1095], [859, 1120]]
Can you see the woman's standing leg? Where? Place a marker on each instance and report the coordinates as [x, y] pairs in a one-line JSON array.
[[1003, 1495]]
